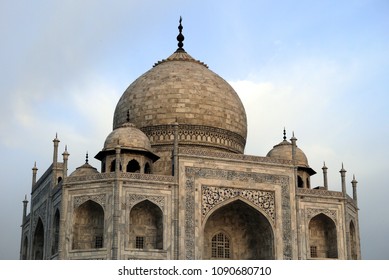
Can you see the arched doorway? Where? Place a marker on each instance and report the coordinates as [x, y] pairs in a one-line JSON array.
[[322, 237], [238, 231], [146, 226], [88, 226], [39, 240]]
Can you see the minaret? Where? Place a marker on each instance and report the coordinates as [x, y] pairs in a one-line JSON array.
[[34, 171], [325, 176], [354, 184], [65, 156], [343, 175]]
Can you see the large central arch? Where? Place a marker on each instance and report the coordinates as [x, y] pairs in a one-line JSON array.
[[238, 231]]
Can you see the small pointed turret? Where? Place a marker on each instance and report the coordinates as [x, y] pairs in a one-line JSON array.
[[294, 145], [25, 202], [55, 153], [343, 176], [34, 171], [354, 184], [325, 176], [65, 156]]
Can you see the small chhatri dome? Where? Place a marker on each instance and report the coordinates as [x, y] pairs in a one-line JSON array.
[[283, 150], [85, 169], [127, 136], [209, 111]]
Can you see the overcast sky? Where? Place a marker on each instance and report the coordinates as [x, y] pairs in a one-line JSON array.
[[318, 68]]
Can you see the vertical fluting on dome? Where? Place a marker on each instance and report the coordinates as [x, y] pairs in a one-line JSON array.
[[180, 38]]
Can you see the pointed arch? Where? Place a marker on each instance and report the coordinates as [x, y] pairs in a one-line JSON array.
[[88, 226], [249, 232], [353, 241], [133, 166], [38, 241], [147, 168], [146, 226], [55, 239], [112, 167], [300, 182], [322, 237]]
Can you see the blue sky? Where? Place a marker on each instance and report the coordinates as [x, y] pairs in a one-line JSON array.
[[318, 68]]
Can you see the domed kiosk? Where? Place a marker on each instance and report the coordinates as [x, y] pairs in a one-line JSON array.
[[286, 150], [134, 146]]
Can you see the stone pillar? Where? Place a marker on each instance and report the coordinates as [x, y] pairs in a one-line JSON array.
[[25, 202], [325, 176], [55, 161], [116, 214], [65, 156], [55, 152], [175, 193], [34, 171], [354, 184], [294, 145], [343, 176]]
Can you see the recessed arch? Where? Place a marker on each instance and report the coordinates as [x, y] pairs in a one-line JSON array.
[[353, 241], [55, 239], [38, 241], [88, 226], [238, 198], [322, 237], [250, 234], [146, 226]]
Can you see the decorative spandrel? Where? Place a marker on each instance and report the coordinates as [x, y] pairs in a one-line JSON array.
[[213, 196]]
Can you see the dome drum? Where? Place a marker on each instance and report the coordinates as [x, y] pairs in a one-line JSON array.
[[196, 135]]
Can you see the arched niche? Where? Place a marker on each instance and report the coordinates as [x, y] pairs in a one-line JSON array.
[[88, 226], [322, 237], [146, 226], [38, 241]]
